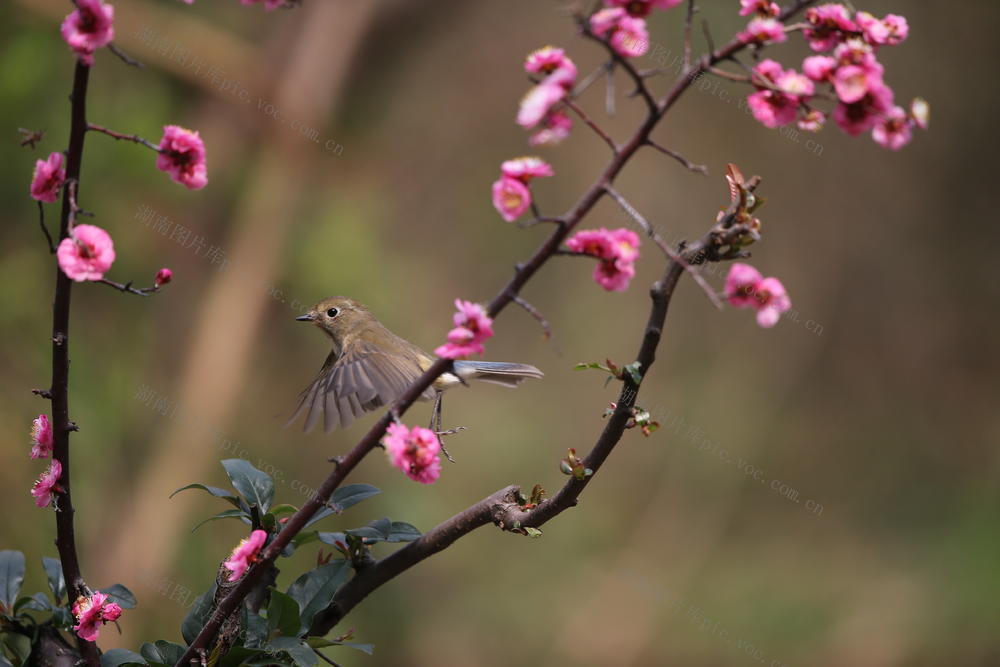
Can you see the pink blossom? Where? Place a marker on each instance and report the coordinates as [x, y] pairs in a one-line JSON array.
[[745, 287], [763, 31], [831, 23], [41, 437], [88, 28], [269, 5], [605, 20], [898, 28], [93, 612], [874, 31], [858, 52], [555, 128], [526, 168], [768, 70], [861, 116], [537, 103], [245, 554], [546, 60], [819, 68], [628, 34], [772, 109], [797, 85], [853, 82], [182, 155], [48, 178], [163, 276], [86, 254], [47, 483], [762, 7], [642, 8], [812, 121], [893, 130], [415, 451], [511, 198], [920, 111], [472, 327], [616, 251]]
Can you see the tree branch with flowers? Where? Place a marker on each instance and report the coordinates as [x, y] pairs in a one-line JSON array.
[[245, 618]]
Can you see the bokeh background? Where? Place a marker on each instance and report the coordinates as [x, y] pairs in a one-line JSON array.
[[871, 536]]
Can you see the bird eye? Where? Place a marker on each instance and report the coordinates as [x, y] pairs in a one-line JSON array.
[[332, 312]]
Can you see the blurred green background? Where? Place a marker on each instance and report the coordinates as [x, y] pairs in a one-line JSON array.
[[875, 408]]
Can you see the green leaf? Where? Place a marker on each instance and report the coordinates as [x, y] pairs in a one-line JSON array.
[[120, 595], [403, 532], [4, 662], [314, 589], [332, 538], [593, 364], [256, 630], [18, 645], [321, 642], [37, 602], [254, 485], [62, 618], [11, 578], [342, 498], [214, 490], [305, 538], [53, 570], [163, 652], [239, 655], [532, 532], [228, 514], [299, 651], [633, 371], [283, 614], [375, 531], [198, 616], [121, 656]]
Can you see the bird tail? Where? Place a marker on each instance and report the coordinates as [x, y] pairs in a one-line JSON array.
[[497, 372]]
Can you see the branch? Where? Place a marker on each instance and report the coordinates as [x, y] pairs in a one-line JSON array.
[[691, 166], [591, 124], [125, 58], [521, 276], [127, 287], [134, 138], [45, 229], [61, 424]]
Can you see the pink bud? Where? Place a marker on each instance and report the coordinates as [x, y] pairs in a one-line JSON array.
[[163, 276]]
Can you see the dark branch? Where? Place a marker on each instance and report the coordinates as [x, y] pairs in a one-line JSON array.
[[691, 166], [45, 230], [125, 58], [134, 138]]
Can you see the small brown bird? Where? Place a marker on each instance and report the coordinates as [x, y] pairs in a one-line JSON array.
[[370, 367]]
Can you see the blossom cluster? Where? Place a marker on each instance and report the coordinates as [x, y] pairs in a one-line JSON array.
[[538, 107], [747, 288], [415, 451], [472, 327], [846, 64], [623, 24], [616, 251], [41, 448], [511, 195], [93, 612]]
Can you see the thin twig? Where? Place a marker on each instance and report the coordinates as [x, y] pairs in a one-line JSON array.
[[688, 17], [591, 124], [663, 245], [537, 315], [127, 287], [125, 58], [45, 230], [708, 36], [691, 166], [134, 138], [609, 90], [586, 82]]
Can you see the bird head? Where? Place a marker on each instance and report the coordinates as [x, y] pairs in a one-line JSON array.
[[338, 317]]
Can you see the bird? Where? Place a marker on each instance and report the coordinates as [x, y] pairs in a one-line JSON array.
[[370, 367]]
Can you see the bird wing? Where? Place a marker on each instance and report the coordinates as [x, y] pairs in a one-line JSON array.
[[360, 380]]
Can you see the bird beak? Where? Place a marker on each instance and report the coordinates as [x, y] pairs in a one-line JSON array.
[[304, 318]]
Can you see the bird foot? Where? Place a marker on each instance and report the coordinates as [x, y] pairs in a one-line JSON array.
[[451, 431]]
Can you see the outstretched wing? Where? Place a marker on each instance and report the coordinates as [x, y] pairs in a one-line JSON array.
[[362, 379]]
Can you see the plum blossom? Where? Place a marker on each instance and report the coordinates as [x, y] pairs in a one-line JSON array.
[[819, 68], [86, 254], [47, 483], [861, 116], [641, 8], [747, 288], [89, 27], [616, 251], [41, 437], [764, 30], [920, 110], [48, 178], [898, 28], [761, 7], [555, 128], [472, 327], [560, 76], [774, 108], [812, 121], [830, 24], [182, 155], [93, 612], [628, 34], [415, 451], [511, 196], [163, 276], [245, 554], [893, 130]]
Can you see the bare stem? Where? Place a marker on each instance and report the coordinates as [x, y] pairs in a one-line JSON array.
[[45, 229], [134, 138]]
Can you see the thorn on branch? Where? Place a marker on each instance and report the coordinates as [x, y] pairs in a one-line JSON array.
[[44, 393]]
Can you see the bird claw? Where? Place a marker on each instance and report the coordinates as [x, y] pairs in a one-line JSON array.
[[440, 434]]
